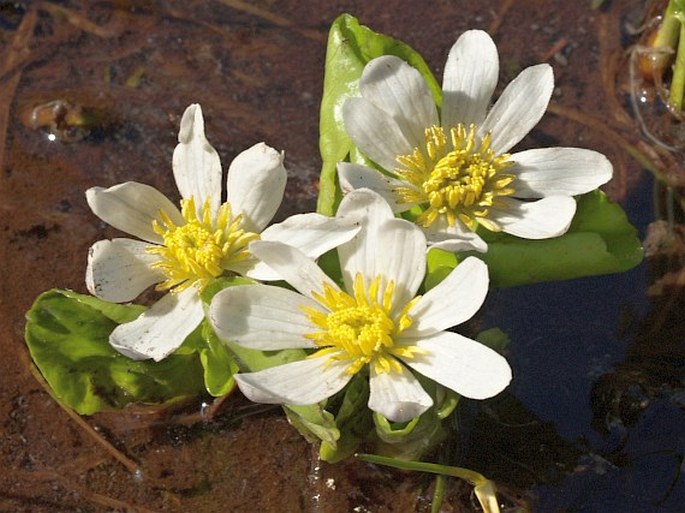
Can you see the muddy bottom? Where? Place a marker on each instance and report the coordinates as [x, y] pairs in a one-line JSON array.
[[593, 420]]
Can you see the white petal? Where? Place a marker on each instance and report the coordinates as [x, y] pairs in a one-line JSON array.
[[256, 182], [119, 270], [454, 238], [452, 301], [399, 89], [131, 207], [470, 77], [519, 108], [354, 176], [365, 207], [395, 251], [313, 234], [398, 397], [401, 242], [558, 171], [375, 132], [463, 365], [262, 317], [307, 381], [196, 164], [292, 265], [541, 219], [161, 329]]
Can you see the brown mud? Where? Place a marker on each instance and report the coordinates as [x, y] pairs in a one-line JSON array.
[[91, 93]]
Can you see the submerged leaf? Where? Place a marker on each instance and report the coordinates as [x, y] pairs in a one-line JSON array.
[[68, 338]]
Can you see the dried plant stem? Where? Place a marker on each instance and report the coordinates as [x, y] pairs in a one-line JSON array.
[[127, 462]]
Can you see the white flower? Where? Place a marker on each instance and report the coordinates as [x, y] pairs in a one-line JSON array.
[[374, 323], [457, 167], [181, 251]]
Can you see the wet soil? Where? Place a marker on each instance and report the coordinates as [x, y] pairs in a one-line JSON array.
[[256, 68]]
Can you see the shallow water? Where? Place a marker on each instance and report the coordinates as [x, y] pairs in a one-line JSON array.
[[593, 420]]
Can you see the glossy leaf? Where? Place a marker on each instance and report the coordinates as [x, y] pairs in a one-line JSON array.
[[599, 241], [350, 47], [67, 335], [218, 363], [353, 419]]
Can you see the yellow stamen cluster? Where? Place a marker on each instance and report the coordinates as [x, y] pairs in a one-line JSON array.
[[201, 249], [456, 179], [360, 329]]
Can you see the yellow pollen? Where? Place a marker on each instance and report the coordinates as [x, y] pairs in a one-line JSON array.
[[194, 253], [359, 329], [455, 179]]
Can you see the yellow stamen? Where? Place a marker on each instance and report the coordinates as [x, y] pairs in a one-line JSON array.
[[359, 329], [201, 249], [459, 179]]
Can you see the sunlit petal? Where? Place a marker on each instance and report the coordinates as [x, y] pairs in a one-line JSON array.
[[303, 382], [519, 108], [399, 397], [354, 176], [119, 270], [375, 132], [470, 77], [131, 207], [293, 266], [399, 90], [161, 329], [313, 234], [541, 219], [262, 317], [196, 164], [256, 182], [461, 364], [455, 238], [558, 171], [452, 301]]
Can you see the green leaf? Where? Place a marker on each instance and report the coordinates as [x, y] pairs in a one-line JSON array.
[[599, 241], [314, 423], [350, 47], [218, 363], [494, 338], [67, 335], [410, 440], [439, 263], [353, 419]]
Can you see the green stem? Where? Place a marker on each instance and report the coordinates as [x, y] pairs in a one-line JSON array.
[[482, 486], [668, 31], [678, 81], [664, 43], [438, 494]]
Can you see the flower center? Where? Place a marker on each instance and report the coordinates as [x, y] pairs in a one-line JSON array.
[[459, 179], [201, 249], [359, 329]]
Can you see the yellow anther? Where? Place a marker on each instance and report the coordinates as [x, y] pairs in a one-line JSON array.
[[360, 329], [200, 249], [459, 178]]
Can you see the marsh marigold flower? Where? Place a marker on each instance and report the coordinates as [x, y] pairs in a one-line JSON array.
[[374, 324], [181, 251], [458, 166]]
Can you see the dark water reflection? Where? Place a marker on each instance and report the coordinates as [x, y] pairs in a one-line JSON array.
[[603, 365]]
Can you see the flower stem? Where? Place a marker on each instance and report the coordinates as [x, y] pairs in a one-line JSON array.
[[678, 80], [482, 486]]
